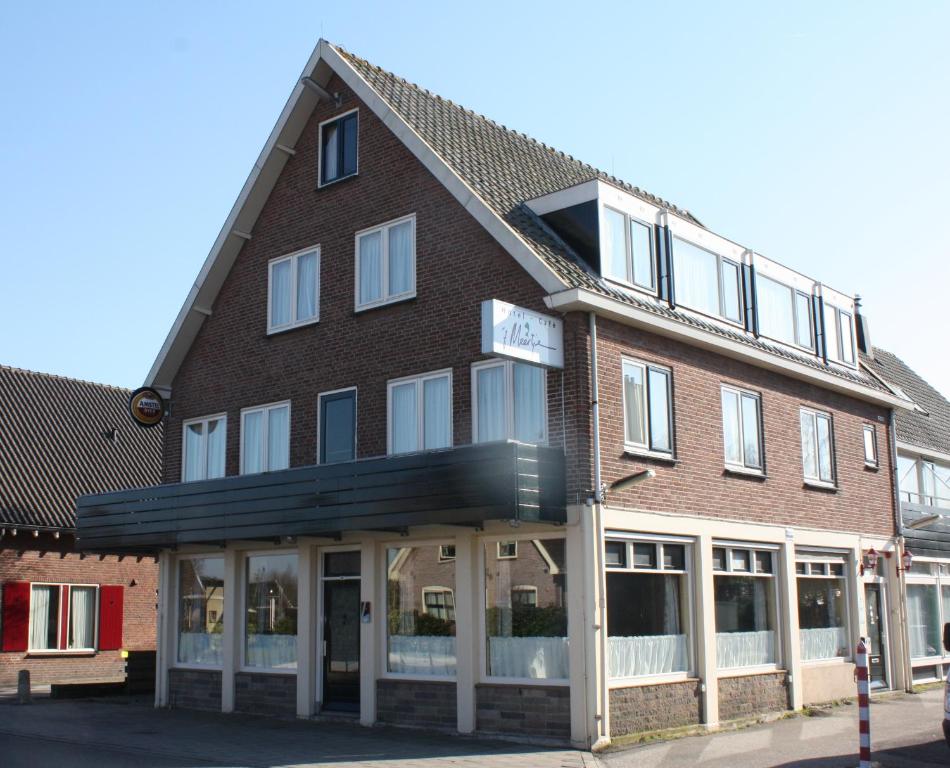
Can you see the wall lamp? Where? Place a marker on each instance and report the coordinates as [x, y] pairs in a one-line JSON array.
[[626, 482], [907, 560]]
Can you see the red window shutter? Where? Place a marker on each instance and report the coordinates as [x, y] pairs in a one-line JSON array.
[[16, 616], [110, 617]]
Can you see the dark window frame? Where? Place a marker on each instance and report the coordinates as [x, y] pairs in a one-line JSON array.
[[341, 121]]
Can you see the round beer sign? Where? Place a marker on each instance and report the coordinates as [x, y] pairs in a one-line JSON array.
[[146, 407]]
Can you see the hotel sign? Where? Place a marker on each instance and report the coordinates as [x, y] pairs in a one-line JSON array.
[[522, 334]]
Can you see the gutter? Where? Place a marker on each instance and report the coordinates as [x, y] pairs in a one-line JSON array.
[[904, 639]]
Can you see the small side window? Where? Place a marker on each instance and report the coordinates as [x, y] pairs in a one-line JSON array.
[[870, 445], [338, 150]]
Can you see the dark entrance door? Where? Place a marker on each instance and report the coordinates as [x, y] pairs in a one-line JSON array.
[[341, 632], [877, 653]]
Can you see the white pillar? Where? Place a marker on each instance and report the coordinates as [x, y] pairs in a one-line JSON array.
[[306, 630], [165, 626], [368, 632], [705, 613], [788, 586], [583, 623], [466, 629], [230, 640]]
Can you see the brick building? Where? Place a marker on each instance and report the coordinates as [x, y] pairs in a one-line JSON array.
[[66, 615], [475, 436]]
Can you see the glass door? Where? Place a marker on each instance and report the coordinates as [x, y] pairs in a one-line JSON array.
[[341, 631], [877, 635]]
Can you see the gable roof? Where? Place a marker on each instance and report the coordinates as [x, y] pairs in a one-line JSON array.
[[492, 171], [54, 448], [928, 427]]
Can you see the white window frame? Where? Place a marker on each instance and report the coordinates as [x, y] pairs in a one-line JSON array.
[[174, 663], [528, 589], [938, 578], [628, 540], [443, 557], [837, 354], [385, 297], [744, 467], [646, 448], [826, 560], [627, 219], [873, 461], [815, 414], [509, 366], [796, 320], [265, 410], [500, 556], [419, 382], [241, 624], [294, 259], [721, 316], [31, 651], [752, 549], [437, 590], [203, 420], [335, 118]]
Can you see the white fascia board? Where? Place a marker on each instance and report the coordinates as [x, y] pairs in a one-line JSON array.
[[580, 300], [565, 198], [922, 451], [510, 240]]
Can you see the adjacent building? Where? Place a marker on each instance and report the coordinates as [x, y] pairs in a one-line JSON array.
[[66, 615], [464, 433]]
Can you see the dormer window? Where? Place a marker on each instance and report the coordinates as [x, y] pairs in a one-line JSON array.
[[706, 281], [338, 155], [626, 251], [784, 313], [839, 335]]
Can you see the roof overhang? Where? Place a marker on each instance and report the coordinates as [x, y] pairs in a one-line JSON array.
[[923, 451], [578, 299]]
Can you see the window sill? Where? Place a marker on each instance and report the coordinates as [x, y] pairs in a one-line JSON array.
[[644, 680], [325, 184], [525, 682], [410, 678], [294, 327], [184, 665], [641, 453], [837, 661], [361, 308], [267, 671], [53, 652], [767, 669], [871, 467], [819, 486], [751, 474]]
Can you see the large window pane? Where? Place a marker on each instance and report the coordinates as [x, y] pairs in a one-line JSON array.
[[490, 384], [696, 277], [82, 618], [216, 448], [400, 258], [200, 610], [776, 309], [731, 427], [420, 615], [923, 620], [278, 438], [437, 413], [331, 149], [252, 437], [745, 620], [824, 449], [280, 296], [847, 337], [660, 439], [44, 617], [403, 418], [809, 445], [271, 612], [371, 276], [526, 611], [731, 299], [338, 427], [804, 335], [822, 618], [306, 286], [528, 403], [750, 431], [641, 242], [634, 391], [349, 144], [194, 458], [907, 478], [613, 253]]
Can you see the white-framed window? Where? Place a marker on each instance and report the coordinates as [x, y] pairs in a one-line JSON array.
[[509, 402], [822, 580], [203, 447], [524, 595], [265, 438], [270, 611], [420, 412], [627, 251], [706, 281], [742, 428], [339, 156], [439, 602], [648, 607], [745, 597], [200, 610], [293, 290], [386, 263], [869, 432], [647, 407], [446, 552], [839, 334], [784, 313], [63, 617], [507, 550], [924, 482], [818, 447], [928, 607]]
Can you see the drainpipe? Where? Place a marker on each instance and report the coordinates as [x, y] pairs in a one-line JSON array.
[[899, 554], [599, 533]]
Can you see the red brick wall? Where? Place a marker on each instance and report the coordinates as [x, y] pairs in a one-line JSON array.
[[139, 617], [233, 363], [697, 484]]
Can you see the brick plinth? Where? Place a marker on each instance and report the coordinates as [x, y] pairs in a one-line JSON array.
[[752, 695], [265, 694], [534, 711], [655, 707], [423, 704], [194, 689]]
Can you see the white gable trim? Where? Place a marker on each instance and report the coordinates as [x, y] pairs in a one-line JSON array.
[[260, 182]]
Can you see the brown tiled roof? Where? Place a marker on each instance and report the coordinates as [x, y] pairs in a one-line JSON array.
[[56, 444]]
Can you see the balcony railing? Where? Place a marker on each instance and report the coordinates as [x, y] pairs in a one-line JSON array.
[[468, 485]]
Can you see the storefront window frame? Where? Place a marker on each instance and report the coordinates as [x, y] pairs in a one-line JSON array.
[[938, 578], [240, 639], [175, 579], [827, 559]]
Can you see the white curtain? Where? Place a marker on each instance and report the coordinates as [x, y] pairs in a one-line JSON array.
[[732, 434], [659, 410], [403, 418], [437, 418], [370, 267], [252, 434], [922, 621], [529, 403], [39, 617], [306, 286], [491, 403], [400, 258], [823, 643], [193, 452], [528, 657], [634, 405], [745, 649], [273, 651], [696, 277], [331, 135], [824, 448], [200, 648], [648, 655], [280, 293], [809, 458], [278, 438], [422, 655], [216, 448], [613, 252], [776, 318], [82, 617], [750, 430]]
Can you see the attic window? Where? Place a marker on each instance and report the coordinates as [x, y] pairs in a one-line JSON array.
[[338, 139], [627, 250]]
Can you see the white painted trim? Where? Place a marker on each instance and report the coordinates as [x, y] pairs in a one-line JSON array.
[[204, 444], [265, 409], [743, 468], [241, 626], [645, 449], [585, 192], [419, 382], [57, 651], [385, 297], [320, 182], [920, 452], [294, 259], [508, 366], [174, 606]]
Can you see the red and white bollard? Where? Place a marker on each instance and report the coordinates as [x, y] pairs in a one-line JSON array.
[[864, 714]]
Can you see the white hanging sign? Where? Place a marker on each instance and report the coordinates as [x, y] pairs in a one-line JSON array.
[[522, 334]]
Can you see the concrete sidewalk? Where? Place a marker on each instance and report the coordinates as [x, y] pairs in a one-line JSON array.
[[129, 732]]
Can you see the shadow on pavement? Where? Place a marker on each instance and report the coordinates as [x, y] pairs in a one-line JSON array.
[[932, 753]]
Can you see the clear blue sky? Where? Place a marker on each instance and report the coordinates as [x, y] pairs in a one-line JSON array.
[[815, 133]]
